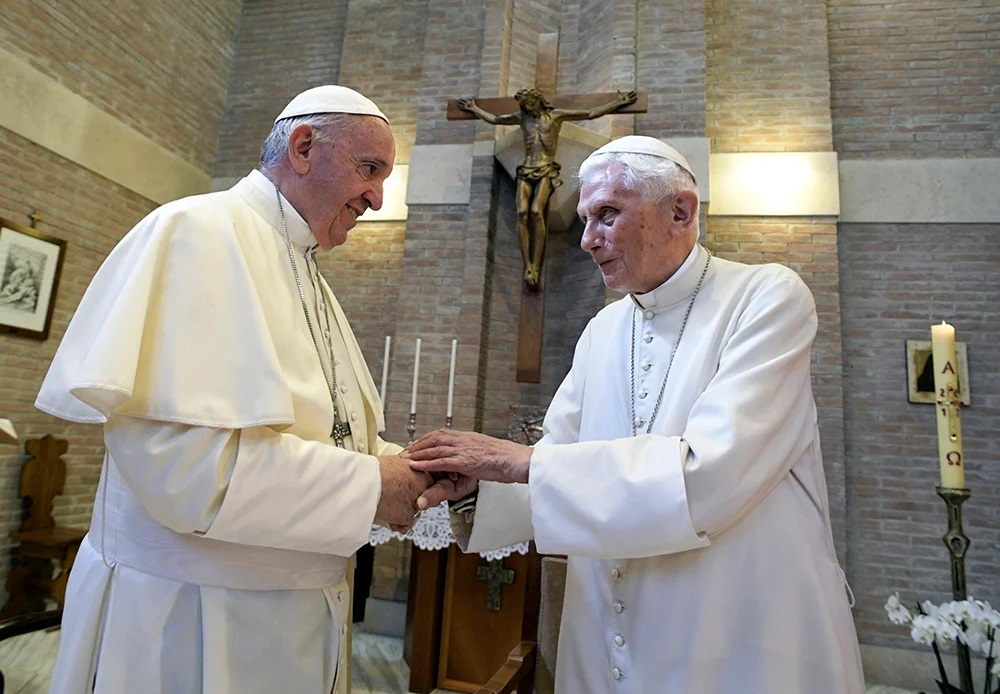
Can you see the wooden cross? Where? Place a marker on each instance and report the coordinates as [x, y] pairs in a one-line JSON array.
[[529, 340], [496, 577]]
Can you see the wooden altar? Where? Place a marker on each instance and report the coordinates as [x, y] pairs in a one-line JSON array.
[[464, 612]]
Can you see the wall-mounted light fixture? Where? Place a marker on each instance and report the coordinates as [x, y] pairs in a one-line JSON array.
[[775, 184]]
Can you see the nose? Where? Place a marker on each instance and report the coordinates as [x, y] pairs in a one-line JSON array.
[[591, 238], [374, 196]]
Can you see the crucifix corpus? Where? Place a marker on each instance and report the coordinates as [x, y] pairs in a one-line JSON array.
[[540, 114]]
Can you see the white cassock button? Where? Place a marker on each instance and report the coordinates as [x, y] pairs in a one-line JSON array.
[[642, 394], [343, 629], [354, 416], [637, 421], [616, 673], [619, 640], [647, 337], [340, 596], [343, 388], [648, 315], [646, 365], [619, 608], [361, 447], [616, 574]]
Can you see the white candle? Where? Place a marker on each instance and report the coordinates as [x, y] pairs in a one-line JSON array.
[[416, 375], [451, 377], [385, 370], [950, 460]]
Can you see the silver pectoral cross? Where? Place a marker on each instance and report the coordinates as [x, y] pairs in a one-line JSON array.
[[340, 431]]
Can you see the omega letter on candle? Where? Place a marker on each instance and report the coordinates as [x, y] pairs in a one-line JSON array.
[[947, 399]]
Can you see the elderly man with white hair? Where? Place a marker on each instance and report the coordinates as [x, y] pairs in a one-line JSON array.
[[243, 464], [680, 466]]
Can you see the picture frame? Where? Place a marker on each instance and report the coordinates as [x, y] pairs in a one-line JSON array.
[[30, 266], [920, 372]]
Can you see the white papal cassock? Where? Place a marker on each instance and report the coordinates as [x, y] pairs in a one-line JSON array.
[[701, 558], [225, 515]]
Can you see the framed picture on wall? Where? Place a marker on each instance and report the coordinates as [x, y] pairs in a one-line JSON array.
[[30, 265], [920, 372]]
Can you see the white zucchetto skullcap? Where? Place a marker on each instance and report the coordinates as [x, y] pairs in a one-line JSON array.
[[642, 144], [330, 98]]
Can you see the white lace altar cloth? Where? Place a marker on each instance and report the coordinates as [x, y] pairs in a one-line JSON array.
[[433, 531]]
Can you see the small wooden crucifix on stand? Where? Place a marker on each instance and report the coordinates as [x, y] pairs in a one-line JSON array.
[[540, 115]]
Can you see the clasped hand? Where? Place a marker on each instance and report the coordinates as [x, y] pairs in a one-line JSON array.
[[459, 459]]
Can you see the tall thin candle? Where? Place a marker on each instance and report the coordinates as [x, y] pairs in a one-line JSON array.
[[451, 378], [385, 370], [416, 376], [948, 424]]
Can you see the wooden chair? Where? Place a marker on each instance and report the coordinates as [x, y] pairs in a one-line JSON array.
[[531, 665], [31, 583]]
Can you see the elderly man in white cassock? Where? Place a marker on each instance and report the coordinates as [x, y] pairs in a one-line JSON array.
[[680, 466], [243, 463]]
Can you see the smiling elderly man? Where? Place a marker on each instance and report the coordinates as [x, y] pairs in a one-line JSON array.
[[243, 462], [680, 466]]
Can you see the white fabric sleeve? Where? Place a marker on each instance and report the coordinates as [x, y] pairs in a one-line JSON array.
[[178, 472], [502, 517], [656, 494], [254, 486]]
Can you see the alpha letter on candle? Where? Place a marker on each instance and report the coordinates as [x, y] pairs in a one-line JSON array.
[[947, 397], [416, 375]]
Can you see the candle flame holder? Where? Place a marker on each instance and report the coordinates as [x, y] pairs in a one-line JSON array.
[[447, 422], [411, 427], [958, 543]]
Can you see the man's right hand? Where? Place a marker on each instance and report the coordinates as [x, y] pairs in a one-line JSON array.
[[401, 485]]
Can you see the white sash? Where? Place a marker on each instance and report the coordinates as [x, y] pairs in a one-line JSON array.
[[122, 531]]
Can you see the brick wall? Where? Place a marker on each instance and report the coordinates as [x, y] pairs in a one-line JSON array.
[[767, 91], [897, 280], [278, 53], [159, 68], [915, 79], [90, 214]]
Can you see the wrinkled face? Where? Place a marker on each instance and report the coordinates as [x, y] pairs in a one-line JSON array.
[[346, 172], [628, 237]]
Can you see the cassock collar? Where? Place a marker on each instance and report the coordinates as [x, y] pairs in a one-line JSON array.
[[678, 286], [258, 191]]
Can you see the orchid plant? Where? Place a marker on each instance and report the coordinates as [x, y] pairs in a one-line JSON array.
[[970, 622]]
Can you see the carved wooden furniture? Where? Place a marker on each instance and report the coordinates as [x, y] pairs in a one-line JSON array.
[[32, 581], [453, 596], [531, 664]]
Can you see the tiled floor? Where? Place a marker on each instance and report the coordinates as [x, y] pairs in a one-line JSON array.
[[377, 665]]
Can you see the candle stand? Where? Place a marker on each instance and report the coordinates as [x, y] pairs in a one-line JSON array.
[[958, 543], [411, 427], [447, 422]]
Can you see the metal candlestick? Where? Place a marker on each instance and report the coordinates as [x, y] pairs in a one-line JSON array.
[[411, 428], [447, 422], [957, 543]]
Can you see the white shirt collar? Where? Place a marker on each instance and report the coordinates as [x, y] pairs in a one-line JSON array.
[[678, 286], [260, 193]]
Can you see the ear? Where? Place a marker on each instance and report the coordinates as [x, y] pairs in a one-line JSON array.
[[683, 211], [300, 144]]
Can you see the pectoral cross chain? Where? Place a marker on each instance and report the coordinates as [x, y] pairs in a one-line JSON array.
[[340, 431]]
